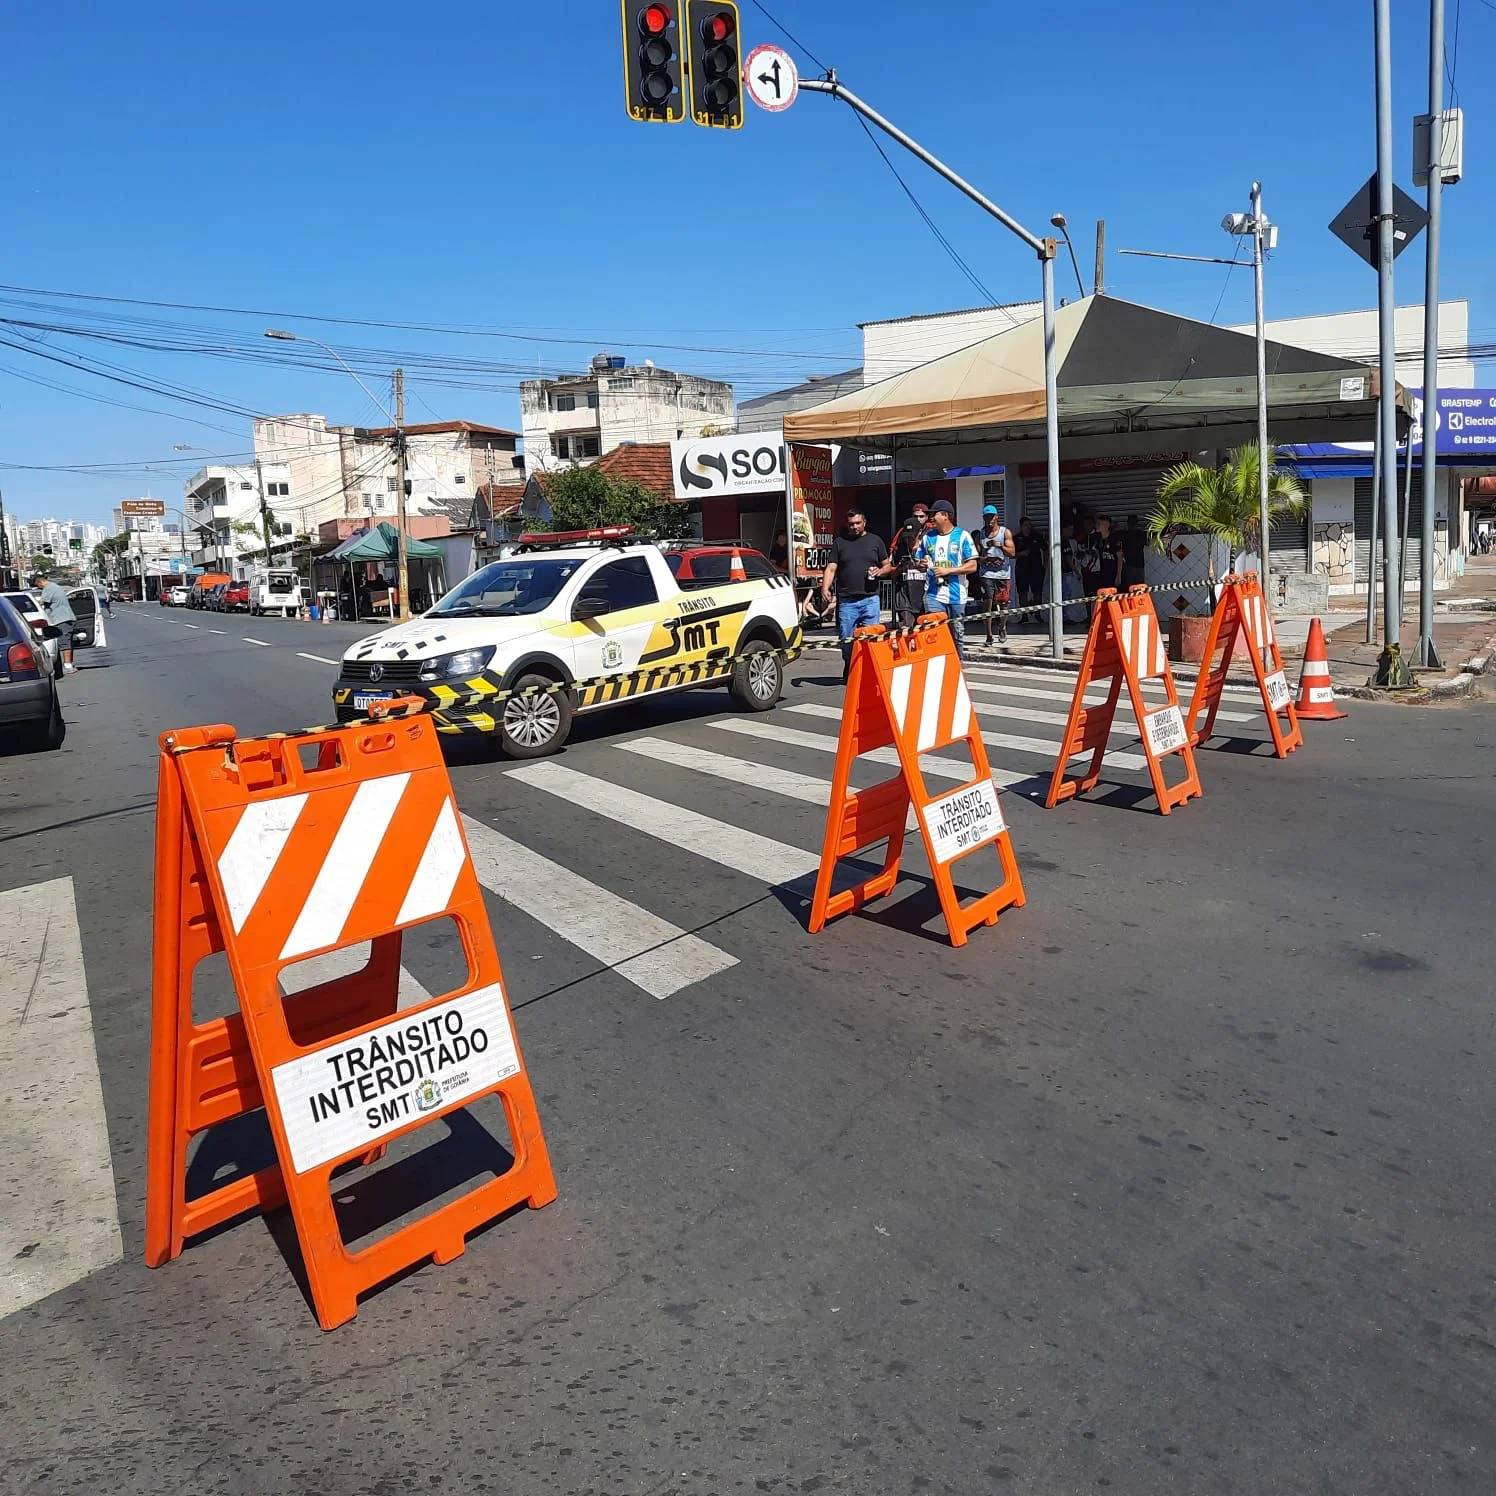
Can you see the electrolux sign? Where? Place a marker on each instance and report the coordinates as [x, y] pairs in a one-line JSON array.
[[709, 467], [1467, 422]]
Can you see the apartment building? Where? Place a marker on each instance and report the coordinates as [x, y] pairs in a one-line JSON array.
[[576, 418], [314, 472]]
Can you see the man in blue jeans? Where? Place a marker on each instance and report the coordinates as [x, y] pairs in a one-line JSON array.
[[858, 561], [948, 556]]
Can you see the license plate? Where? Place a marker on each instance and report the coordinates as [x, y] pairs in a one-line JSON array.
[[364, 699]]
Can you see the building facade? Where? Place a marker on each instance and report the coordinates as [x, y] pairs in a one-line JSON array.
[[576, 418]]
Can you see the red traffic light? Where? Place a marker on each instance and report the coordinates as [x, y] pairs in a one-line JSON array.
[[654, 20], [719, 27]]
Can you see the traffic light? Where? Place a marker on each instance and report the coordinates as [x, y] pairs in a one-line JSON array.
[[652, 70], [75, 544], [716, 64]]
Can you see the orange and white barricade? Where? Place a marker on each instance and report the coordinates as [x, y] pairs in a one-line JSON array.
[[276, 849], [905, 690], [1242, 612], [1125, 647]]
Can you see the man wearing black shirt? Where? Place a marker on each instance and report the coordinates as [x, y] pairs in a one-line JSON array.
[[1134, 545], [909, 597], [1103, 561], [858, 562]]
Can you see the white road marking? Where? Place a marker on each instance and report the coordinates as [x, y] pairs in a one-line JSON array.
[[931, 765], [220, 632], [261, 642], [1093, 696], [741, 771], [650, 952], [60, 1221], [192, 625], [1043, 748], [745, 852], [320, 659]]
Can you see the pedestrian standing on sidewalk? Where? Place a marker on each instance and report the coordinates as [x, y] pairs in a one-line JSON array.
[[1134, 552], [909, 594], [858, 561], [1030, 557], [995, 549], [54, 603], [949, 556]]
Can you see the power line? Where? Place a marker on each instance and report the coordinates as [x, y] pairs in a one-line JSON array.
[[789, 35]]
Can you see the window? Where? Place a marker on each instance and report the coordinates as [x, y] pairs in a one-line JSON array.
[[992, 491], [390, 485], [585, 446], [622, 383], [757, 566], [458, 478], [591, 399], [277, 490], [270, 432], [247, 485], [626, 583], [566, 402], [714, 566]]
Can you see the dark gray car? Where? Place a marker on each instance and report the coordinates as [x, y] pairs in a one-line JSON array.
[[30, 713]]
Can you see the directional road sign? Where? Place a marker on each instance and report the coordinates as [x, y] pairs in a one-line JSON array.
[[1355, 224], [154, 507], [771, 78]]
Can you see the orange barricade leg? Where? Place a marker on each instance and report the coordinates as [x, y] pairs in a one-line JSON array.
[[908, 690], [272, 859]]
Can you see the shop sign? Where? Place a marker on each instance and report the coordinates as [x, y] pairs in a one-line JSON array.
[[810, 501], [714, 467]]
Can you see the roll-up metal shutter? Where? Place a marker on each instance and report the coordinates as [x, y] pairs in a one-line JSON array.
[[1364, 500]]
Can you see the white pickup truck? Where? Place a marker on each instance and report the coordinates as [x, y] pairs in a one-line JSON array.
[[591, 612]]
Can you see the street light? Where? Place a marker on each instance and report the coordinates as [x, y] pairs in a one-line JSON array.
[[1264, 236], [1058, 220], [397, 425]]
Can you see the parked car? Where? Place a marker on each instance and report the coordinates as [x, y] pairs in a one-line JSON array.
[[177, 596], [236, 597], [213, 597], [277, 591], [29, 709], [697, 563], [86, 611], [121, 595], [31, 610]]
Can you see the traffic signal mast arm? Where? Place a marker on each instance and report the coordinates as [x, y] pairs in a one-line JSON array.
[[1045, 249]]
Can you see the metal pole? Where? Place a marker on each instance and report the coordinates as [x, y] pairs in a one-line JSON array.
[[1426, 654], [1052, 460], [1391, 669], [1264, 456], [402, 577], [1402, 539], [1371, 539], [829, 85], [1098, 285], [1045, 249]]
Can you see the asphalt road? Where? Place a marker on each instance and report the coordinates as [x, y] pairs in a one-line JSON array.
[[1178, 1180]]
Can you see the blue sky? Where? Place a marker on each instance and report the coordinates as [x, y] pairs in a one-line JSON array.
[[477, 169]]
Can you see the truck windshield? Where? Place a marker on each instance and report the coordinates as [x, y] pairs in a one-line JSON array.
[[523, 584]]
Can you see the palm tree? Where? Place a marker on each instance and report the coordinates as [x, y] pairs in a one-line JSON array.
[[1223, 501]]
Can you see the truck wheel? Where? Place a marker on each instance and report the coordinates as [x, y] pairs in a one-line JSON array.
[[532, 726], [757, 678]]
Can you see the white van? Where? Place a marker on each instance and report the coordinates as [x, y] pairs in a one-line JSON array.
[[277, 591]]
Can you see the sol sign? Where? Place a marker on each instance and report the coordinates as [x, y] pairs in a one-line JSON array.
[[708, 467]]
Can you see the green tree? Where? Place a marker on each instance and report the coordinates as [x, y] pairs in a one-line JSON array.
[[583, 498], [1223, 501]]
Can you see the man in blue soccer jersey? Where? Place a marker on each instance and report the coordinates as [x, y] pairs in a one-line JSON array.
[[948, 555]]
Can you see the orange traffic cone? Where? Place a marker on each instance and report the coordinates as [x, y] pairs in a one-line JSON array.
[[1316, 701]]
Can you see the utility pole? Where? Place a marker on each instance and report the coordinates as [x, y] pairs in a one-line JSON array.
[[402, 570], [1098, 285], [1427, 655], [1392, 669], [1264, 457]]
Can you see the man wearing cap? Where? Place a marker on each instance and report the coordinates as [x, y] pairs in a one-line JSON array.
[[995, 572], [948, 556]]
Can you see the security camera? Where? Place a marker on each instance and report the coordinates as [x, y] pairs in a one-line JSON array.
[[1237, 223]]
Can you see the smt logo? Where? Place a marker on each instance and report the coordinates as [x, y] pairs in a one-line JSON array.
[[707, 466]]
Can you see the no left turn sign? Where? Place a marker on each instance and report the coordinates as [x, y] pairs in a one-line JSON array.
[[771, 78]]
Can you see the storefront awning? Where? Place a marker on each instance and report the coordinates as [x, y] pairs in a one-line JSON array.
[[1129, 376], [380, 544]]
